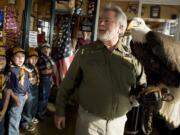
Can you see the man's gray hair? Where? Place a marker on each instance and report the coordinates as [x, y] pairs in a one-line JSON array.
[[120, 15]]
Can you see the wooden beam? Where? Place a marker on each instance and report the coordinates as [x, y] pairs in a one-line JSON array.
[[26, 24], [140, 8], [96, 17], [53, 12]]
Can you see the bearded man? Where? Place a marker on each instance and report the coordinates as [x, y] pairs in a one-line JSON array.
[[103, 73]]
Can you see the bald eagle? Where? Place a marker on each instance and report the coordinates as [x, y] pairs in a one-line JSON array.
[[160, 56]]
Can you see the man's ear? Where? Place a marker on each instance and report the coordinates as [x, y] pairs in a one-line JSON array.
[[120, 29]]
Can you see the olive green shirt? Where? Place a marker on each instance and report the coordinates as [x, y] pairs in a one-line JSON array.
[[103, 80]]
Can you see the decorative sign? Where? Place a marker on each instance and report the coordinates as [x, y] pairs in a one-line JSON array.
[[33, 39]]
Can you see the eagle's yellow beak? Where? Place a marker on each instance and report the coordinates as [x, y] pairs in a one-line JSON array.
[[130, 26]]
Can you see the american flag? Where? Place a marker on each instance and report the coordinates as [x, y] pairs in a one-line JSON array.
[[65, 51], [63, 65]]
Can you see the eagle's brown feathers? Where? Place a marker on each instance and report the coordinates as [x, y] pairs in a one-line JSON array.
[[167, 48]]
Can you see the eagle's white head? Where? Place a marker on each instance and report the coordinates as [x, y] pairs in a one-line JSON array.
[[138, 29]]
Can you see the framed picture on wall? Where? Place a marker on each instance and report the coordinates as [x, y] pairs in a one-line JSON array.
[[155, 11], [86, 24]]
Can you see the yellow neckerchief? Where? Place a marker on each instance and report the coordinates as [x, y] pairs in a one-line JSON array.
[[2, 84], [22, 74], [37, 75]]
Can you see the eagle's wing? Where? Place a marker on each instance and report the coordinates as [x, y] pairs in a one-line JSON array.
[[166, 48]]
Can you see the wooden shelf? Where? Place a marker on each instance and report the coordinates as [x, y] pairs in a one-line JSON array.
[[153, 2], [160, 20]]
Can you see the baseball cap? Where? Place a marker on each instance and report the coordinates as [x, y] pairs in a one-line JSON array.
[[2, 51], [17, 50], [45, 45], [32, 52]]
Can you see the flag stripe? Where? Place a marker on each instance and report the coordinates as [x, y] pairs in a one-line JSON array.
[[63, 65]]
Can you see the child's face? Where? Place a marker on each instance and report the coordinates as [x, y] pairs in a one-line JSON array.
[[18, 59], [46, 51], [33, 60], [2, 62]]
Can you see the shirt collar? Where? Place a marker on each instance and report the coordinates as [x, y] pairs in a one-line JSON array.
[[120, 46]]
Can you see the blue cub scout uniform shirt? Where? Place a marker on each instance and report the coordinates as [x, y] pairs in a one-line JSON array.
[[14, 81], [45, 63]]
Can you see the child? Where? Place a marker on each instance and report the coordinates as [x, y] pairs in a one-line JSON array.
[[19, 83], [30, 108], [4, 93], [46, 65]]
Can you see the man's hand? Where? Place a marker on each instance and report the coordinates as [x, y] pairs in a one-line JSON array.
[[59, 121], [9, 93], [26, 96], [16, 99], [2, 113]]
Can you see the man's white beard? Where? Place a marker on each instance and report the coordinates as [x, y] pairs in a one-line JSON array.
[[106, 36]]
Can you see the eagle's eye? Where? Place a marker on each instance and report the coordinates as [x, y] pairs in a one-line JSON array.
[[138, 23]]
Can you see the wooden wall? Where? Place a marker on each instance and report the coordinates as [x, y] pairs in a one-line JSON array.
[[166, 11]]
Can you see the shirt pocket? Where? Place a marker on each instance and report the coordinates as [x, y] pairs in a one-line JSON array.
[[93, 66]]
